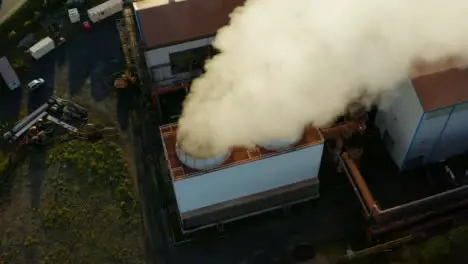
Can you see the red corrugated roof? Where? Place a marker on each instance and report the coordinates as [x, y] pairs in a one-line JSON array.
[[178, 171], [172, 23], [440, 85]]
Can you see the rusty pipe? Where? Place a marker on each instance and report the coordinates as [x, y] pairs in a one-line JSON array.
[[361, 184], [339, 129], [355, 189]]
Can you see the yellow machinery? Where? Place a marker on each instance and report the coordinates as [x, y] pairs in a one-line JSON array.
[[125, 79]]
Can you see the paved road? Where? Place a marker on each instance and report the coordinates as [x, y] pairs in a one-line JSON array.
[[8, 7]]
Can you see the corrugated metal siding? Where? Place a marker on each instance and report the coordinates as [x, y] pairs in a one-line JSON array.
[[179, 22], [454, 139], [248, 179], [140, 33], [442, 89], [426, 137]]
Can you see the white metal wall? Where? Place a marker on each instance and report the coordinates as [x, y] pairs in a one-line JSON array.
[[248, 179], [160, 56], [400, 120]]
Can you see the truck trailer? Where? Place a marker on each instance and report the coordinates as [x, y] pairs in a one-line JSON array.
[[8, 74], [105, 10], [42, 47]]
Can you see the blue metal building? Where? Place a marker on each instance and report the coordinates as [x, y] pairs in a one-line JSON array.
[[428, 121]]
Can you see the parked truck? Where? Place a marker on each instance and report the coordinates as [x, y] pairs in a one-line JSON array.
[[105, 10], [42, 47], [8, 74]]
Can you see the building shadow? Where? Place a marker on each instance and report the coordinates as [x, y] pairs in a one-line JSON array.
[[125, 105], [36, 174], [44, 68], [10, 104], [94, 55]]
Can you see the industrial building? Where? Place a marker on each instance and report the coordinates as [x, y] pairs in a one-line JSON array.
[[177, 35], [176, 39], [247, 181], [423, 125], [426, 122]]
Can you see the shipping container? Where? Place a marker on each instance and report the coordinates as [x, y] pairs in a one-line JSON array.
[[248, 181], [8, 74], [105, 10], [426, 123], [74, 15], [42, 47]]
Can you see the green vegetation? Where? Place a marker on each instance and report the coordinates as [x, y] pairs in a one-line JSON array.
[[435, 250], [102, 165], [443, 249], [88, 212]]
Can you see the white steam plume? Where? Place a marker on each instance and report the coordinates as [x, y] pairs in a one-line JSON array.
[[286, 64]]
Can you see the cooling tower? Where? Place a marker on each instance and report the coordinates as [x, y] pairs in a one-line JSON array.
[[242, 182]]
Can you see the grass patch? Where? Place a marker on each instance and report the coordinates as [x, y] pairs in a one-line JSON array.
[[88, 212], [442, 249]]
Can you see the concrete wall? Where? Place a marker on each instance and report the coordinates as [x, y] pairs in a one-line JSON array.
[[399, 122], [247, 179]]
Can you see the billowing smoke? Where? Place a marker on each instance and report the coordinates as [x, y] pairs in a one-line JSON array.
[[286, 64]]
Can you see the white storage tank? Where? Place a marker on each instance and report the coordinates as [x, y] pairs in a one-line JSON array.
[[201, 164], [42, 47], [105, 10], [427, 122], [277, 145], [248, 182]]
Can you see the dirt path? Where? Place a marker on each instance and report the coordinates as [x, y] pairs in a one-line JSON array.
[[8, 7]]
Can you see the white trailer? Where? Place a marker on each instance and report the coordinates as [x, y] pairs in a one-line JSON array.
[[105, 10], [8, 74], [42, 47], [74, 15]]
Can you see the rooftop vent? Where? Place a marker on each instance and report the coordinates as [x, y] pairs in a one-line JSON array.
[[201, 164]]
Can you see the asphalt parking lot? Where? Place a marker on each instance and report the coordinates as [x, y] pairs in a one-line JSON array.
[[82, 68]]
